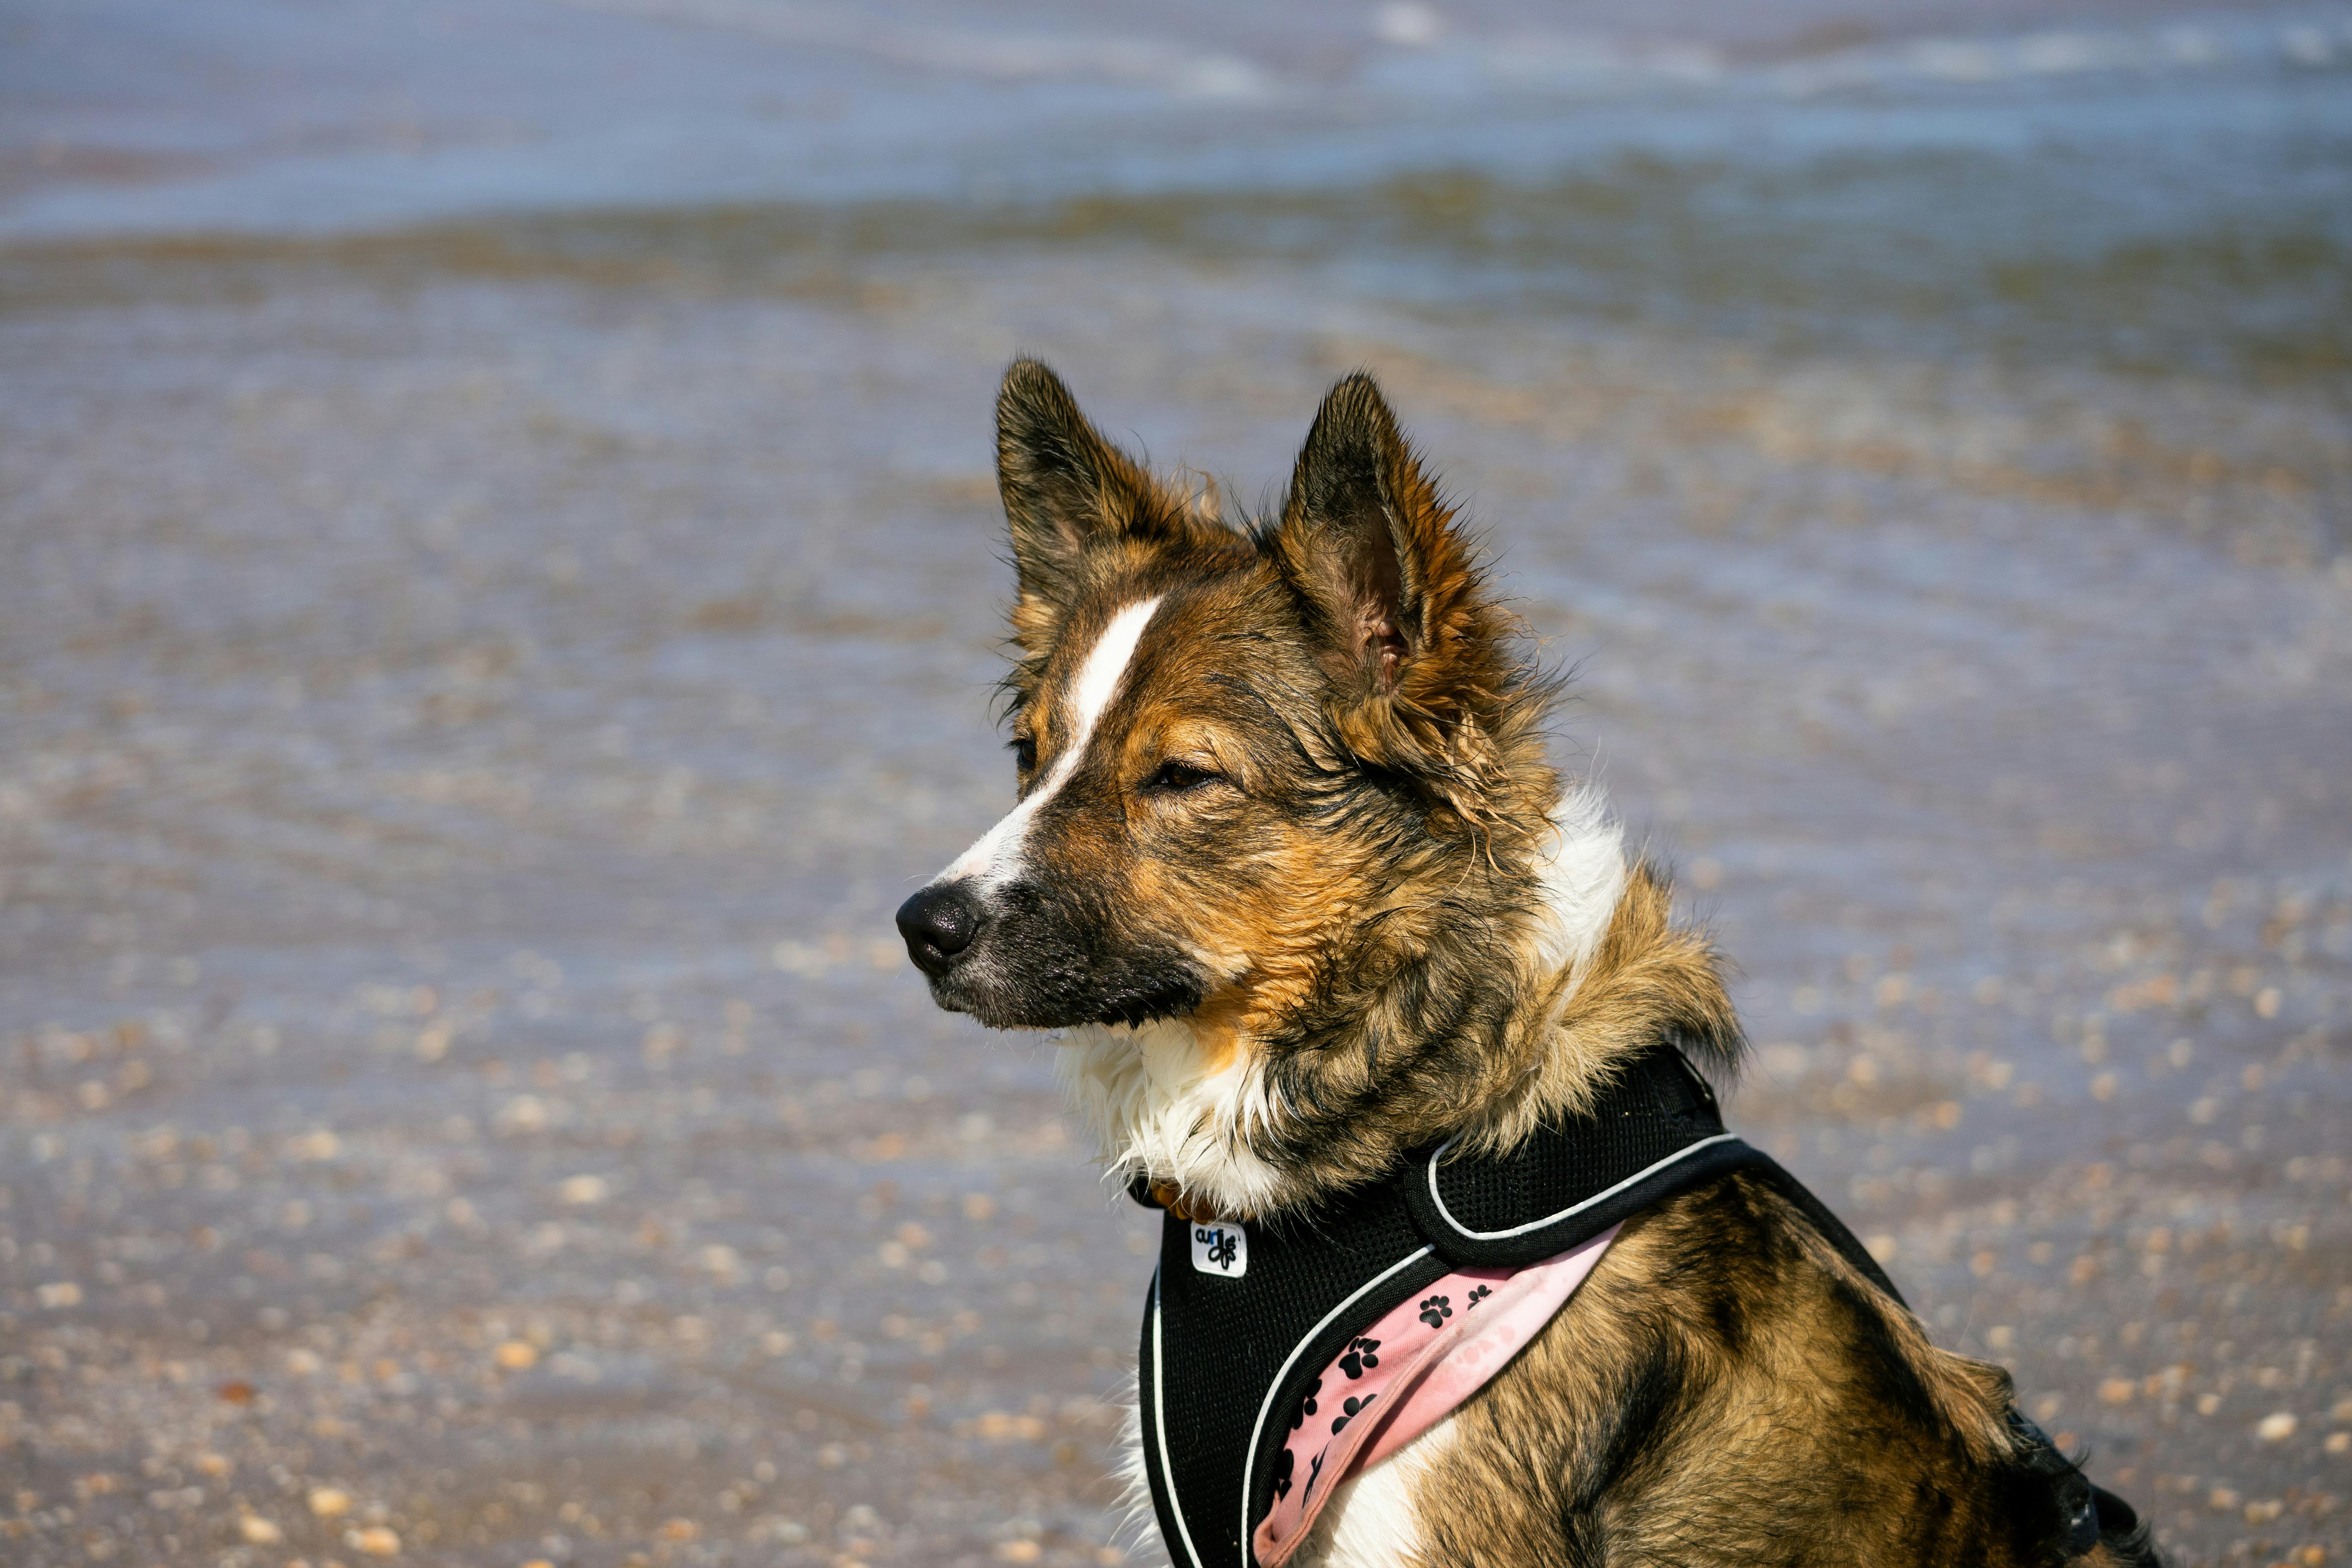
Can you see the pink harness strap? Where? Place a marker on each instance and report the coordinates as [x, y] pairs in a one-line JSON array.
[[1404, 1374]]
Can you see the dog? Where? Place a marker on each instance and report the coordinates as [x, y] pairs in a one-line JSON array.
[[1293, 872]]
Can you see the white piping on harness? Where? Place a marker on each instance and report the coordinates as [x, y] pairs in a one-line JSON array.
[[1447, 1214], [1159, 1424]]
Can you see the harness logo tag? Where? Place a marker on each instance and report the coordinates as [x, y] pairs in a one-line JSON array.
[[1221, 1249]]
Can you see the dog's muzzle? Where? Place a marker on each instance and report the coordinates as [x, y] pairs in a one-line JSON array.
[[938, 924], [1022, 956]]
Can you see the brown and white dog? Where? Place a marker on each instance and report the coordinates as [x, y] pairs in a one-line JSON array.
[[1293, 871]]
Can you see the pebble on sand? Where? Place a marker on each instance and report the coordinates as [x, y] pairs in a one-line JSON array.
[[329, 1502], [259, 1531], [376, 1541], [583, 1190], [2276, 1428]]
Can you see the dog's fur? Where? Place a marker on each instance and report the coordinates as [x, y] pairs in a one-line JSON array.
[[1295, 872]]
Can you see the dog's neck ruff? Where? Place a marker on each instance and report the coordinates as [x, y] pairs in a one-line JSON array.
[[1163, 1105], [1242, 1319]]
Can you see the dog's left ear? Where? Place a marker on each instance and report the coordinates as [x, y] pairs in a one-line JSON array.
[[1414, 652]]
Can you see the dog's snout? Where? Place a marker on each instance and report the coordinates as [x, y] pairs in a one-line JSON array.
[[939, 923]]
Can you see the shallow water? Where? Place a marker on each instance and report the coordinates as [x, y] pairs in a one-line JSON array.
[[474, 692]]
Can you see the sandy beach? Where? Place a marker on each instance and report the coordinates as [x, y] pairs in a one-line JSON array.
[[494, 621]]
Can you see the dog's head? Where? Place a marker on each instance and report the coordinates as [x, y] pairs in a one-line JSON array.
[[1259, 767]]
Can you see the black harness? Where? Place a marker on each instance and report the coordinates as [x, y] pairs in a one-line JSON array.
[[1241, 1318]]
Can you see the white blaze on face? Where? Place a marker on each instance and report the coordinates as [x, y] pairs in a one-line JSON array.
[[996, 858]]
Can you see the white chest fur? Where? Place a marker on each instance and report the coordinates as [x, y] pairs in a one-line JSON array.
[[1371, 1521], [1154, 1107]]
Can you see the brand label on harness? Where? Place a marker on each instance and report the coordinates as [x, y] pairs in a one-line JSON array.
[[1221, 1249]]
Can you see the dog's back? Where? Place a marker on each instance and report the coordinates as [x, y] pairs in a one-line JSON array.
[[1726, 1390]]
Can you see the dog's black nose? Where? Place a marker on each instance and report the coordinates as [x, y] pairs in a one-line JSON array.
[[938, 924]]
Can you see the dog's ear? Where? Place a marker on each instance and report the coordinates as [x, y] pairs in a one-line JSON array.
[[1414, 652], [1066, 489]]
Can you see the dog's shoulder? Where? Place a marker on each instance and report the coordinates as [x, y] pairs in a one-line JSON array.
[[1727, 1388]]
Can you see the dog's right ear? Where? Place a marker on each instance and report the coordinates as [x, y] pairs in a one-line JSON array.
[[1065, 490]]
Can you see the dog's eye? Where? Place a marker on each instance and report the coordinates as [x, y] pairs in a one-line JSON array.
[[1176, 776], [1024, 753]]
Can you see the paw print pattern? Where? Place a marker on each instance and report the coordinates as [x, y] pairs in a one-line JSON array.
[[1437, 1309], [1284, 1463], [1359, 1358], [1476, 1296], [1306, 1406], [1352, 1408]]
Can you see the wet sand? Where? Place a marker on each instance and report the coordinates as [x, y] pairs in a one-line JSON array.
[[473, 697]]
